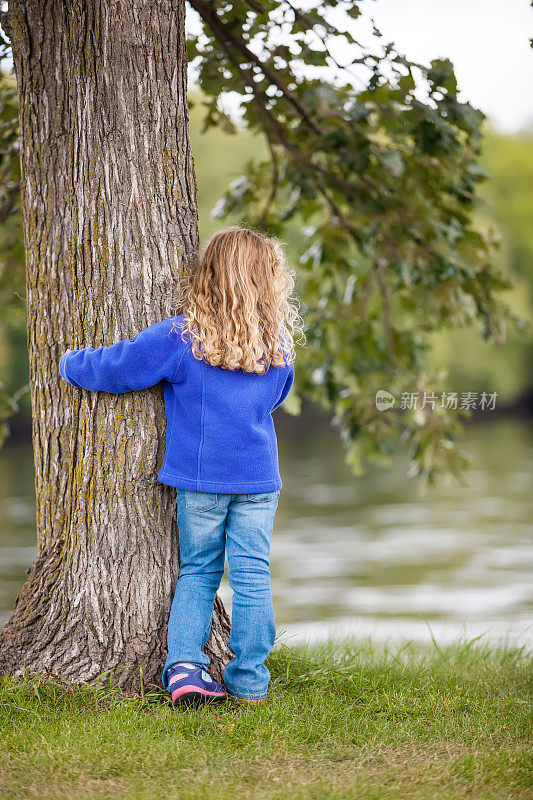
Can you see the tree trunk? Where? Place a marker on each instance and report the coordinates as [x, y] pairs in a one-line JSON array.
[[110, 216]]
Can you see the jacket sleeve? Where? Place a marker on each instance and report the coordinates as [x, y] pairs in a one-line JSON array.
[[286, 388], [152, 355]]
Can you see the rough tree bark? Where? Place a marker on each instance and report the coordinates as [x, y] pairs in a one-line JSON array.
[[110, 215]]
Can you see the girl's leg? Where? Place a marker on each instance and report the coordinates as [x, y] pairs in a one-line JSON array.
[[253, 630], [201, 521]]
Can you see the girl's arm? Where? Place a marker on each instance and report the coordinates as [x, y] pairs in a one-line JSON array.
[[152, 355], [287, 387]]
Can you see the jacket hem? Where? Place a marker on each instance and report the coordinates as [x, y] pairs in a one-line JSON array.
[[180, 482]]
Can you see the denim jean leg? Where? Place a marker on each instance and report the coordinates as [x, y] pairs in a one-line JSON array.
[[202, 544], [253, 629]]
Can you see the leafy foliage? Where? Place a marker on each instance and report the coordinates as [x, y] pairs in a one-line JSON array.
[[379, 167]]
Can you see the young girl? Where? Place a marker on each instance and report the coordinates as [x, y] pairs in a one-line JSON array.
[[226, 363]]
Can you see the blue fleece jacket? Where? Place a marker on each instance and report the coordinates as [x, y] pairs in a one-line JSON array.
[[220, 432]]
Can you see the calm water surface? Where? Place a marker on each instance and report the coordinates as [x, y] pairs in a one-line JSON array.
[[367, 556]]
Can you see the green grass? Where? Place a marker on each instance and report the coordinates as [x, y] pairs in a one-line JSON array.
[[345, 722]]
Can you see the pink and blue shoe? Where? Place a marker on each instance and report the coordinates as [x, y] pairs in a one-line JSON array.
[[190, 685]]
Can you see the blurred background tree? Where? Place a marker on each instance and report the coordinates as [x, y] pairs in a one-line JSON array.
[[13, 351], [371, 174]]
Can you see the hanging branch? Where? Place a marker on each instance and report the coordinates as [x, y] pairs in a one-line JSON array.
[[383, 186]]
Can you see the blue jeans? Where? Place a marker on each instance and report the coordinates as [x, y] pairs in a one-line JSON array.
[[241, 525]]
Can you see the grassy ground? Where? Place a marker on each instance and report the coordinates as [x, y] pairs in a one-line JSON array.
[[339, 723]]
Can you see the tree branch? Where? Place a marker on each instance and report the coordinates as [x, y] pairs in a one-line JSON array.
[[275, 183], [209, 15]]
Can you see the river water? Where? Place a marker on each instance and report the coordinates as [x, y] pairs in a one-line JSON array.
[[367, 556]]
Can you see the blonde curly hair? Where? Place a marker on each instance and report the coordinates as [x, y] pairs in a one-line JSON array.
[[237, 300]]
